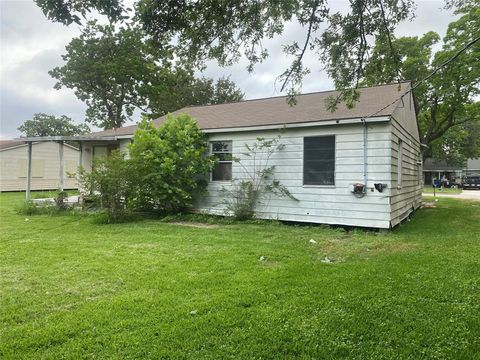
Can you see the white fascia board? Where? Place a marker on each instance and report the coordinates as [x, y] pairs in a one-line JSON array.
[[298, 125]]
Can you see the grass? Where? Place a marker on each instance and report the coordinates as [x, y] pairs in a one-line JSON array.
[[71, 288], [429, 190]]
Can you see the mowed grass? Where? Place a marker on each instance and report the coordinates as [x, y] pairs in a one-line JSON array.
[[429, 190], [72, 288]]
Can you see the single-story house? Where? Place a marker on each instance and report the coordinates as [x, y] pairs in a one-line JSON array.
[[45, 166], [357, 166], [453, 172]]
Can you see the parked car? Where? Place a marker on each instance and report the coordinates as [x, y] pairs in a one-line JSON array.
[[471, 182]]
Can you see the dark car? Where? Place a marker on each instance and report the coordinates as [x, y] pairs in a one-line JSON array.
[[471, 182]]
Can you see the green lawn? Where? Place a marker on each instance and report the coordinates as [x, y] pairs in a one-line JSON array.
[[429, 190], [72, 288]]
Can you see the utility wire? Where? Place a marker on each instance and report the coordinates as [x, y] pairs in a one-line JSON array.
[[445, 63]]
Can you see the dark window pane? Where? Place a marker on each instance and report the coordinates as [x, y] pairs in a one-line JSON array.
[[222, 146], [319, 160], [222, 171]]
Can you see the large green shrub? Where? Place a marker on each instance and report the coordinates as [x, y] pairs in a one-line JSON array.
[[108, 185], [170, 164]]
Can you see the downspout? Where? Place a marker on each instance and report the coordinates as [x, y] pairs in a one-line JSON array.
[[365, 148]]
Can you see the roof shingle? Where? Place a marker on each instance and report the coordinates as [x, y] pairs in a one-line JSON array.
[[275, 111]]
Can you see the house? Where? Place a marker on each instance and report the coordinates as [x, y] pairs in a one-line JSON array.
[[356, 167], [45, 166], [454, 173]]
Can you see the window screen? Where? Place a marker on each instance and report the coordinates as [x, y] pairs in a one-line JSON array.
[[400, 163], [319, 160], [222, 150]]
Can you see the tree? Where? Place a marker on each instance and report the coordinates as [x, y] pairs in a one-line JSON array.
[[49, 125], [446, 101], [227, 30], [170, 164], [106, 68], [183, 89], [70, 11], [115, 71]]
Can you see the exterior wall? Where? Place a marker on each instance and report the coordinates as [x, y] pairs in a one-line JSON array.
[[319, 204], [45, 167], [407, 195]]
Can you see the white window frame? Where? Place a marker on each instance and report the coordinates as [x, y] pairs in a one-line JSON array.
[[399, 163], [221, 161]]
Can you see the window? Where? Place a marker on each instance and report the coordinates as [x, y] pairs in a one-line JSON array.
[[38, 168], [222, 150], [319, 160], [400, 163]]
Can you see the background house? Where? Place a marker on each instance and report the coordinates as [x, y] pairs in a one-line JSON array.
[[45, 165], [454, 173]]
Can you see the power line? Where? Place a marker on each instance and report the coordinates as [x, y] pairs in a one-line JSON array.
[[445, 63]]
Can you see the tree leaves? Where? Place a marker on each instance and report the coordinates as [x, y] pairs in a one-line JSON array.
[[49, 125]]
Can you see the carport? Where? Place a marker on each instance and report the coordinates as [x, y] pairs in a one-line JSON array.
[[80, 140]]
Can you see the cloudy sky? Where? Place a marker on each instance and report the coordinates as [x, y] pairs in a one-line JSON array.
[[31, 46]]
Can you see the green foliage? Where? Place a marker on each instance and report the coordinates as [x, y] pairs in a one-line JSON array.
[[105, 67], [71, 11], [448, 104], [114, 70], [108, 185], [179, 89], [170, 164], [49, 125], [244, 195], [226, 31]]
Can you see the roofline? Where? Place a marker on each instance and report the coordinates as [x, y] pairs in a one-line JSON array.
[[34, 142], [67, 138], [285, 96]]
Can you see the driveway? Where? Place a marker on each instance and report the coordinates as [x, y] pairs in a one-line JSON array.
[[466, 195]]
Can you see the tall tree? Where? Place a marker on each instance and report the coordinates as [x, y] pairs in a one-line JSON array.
[[199, 30], [447, 102], [106, 68], [48, 125], [115, 71]]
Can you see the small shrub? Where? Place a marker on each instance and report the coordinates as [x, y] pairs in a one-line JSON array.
[[242, 199], [108, 185], [60, 200]]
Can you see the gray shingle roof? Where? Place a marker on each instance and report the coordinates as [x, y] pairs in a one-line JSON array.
[[275, 111]]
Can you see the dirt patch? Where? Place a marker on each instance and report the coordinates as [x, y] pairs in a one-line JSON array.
[[196, 225], [429, 205]]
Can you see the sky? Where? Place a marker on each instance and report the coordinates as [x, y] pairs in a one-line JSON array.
[[31, 45]]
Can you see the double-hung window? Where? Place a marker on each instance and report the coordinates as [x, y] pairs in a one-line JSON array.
[[222, 150], [319, 160]]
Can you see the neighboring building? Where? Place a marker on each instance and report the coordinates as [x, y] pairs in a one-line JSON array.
[[375, 142], [472, 168], [45, 165], [454, 173]]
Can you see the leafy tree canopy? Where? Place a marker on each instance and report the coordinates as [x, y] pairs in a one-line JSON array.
[[449, 111], [227, 30], [115, 71], [49, 125]]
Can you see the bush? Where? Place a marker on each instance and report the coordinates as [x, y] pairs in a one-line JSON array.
[[244, 196], [108, 185], [170, 164]]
